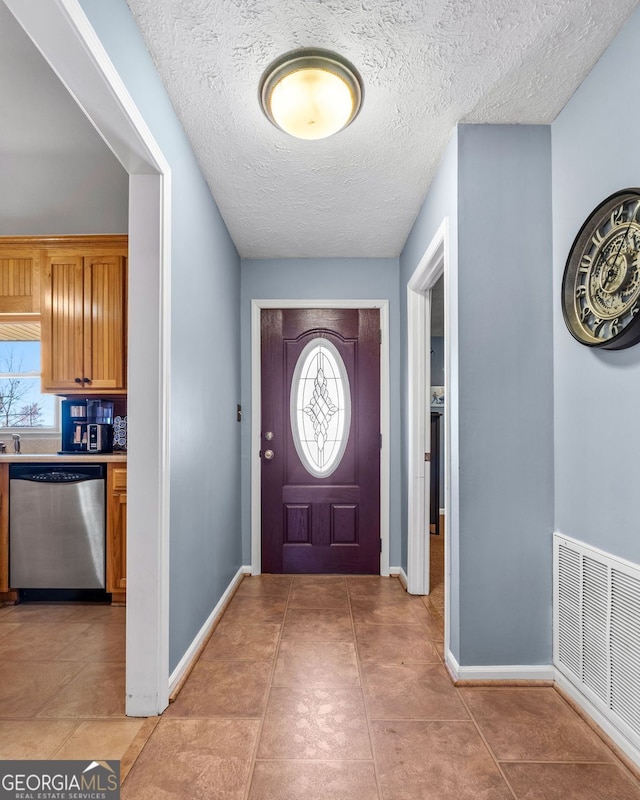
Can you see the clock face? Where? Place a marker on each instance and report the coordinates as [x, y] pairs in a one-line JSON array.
[[601, 284]]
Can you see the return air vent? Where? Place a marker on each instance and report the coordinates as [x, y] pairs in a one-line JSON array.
[[597, 630]]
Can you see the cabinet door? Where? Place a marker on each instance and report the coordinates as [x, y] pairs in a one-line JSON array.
[[84, 323], [117, 532], [19, 282], [4, 528], [104, 322], [63, 323]]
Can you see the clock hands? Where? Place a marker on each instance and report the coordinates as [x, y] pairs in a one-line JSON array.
[[612, 263]]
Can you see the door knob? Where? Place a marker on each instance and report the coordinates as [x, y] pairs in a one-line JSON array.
[[269, 454]]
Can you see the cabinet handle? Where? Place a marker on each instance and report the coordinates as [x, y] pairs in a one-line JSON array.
[[78, 380], [86, 380]]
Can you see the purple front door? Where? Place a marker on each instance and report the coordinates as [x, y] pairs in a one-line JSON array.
[[320, 443]]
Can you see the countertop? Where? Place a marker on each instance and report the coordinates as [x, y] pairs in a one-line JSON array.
[[54, 458]]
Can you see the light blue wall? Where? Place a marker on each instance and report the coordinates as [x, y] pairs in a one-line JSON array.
[[494, 184], [597, 435], [437, 360], [441, 202], [205, 379], [321, 279], [505, 356]]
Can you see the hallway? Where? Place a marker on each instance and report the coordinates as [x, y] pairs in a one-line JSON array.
[[328, 687]]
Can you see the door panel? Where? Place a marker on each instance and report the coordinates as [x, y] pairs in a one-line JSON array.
[[62, 323], [104, 332], [311, 523]]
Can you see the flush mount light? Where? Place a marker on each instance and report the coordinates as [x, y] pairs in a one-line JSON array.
[[311, 94]]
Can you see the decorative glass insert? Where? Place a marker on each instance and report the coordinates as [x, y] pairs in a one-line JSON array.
[[320, 407]]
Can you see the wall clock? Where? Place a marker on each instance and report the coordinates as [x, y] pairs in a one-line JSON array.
[[601, 283]]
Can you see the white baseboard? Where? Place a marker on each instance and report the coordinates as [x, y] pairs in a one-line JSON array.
[[398, 572], [515, 672], [194, 647], [614, 733]]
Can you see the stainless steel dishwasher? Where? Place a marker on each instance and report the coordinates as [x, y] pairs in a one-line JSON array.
[[57, 526]]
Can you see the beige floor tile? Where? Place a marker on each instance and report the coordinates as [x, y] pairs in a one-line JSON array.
[[194, 759], [411, 691], [40, 612], [137, 745], [38, 641], [316, 664], [317, 625], [97, 612], [533, 725], [99, 642], [100, 740], [98, 690], [33, 738], [314, 780], [373, 587], [233, 641], [435, 761], [223, 689], [315, 724], [264, 586], [310, 583], [570, 782], [262, 610], [7, 627], [404, 611], [26, 687], [319, 592], [395, 643]]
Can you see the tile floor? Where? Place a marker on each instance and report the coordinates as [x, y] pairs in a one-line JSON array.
[[310, 688], [62, 684]]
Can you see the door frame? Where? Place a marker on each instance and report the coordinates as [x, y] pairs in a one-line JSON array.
[[433, 264], [256, 418], [62, 33]]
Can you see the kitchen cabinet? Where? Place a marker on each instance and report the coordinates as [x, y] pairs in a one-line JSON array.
[[117, 532], [83, 320], [5, 594], [19, 277]]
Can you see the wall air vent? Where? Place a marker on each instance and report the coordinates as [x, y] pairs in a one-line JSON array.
[[596, 613]]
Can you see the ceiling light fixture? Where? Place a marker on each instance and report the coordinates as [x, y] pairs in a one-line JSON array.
[[311, 94]]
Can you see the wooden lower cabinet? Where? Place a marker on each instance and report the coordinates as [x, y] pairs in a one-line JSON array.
[[117, 532], [6, 595]]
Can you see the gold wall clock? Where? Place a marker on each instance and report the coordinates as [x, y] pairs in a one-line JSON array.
[[601, 283]]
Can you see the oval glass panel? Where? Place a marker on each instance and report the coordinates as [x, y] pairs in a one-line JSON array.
[[320, 407]]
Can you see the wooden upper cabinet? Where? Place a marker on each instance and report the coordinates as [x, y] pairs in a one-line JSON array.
[[19, 280], [104, 328], [84, 321]]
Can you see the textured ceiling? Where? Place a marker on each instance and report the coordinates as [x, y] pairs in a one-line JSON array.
[[426, 65]]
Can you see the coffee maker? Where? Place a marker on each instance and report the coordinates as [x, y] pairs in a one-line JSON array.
[[87, 426]]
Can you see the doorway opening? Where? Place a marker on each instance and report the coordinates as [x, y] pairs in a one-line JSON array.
[[427, 321], [64, 36]]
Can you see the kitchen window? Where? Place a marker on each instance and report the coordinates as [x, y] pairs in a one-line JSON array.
[[23, 408]]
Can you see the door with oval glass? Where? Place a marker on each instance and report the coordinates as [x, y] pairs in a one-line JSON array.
[[320, 445]]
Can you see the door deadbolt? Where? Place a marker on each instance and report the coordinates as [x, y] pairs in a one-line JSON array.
[[269, 436]]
